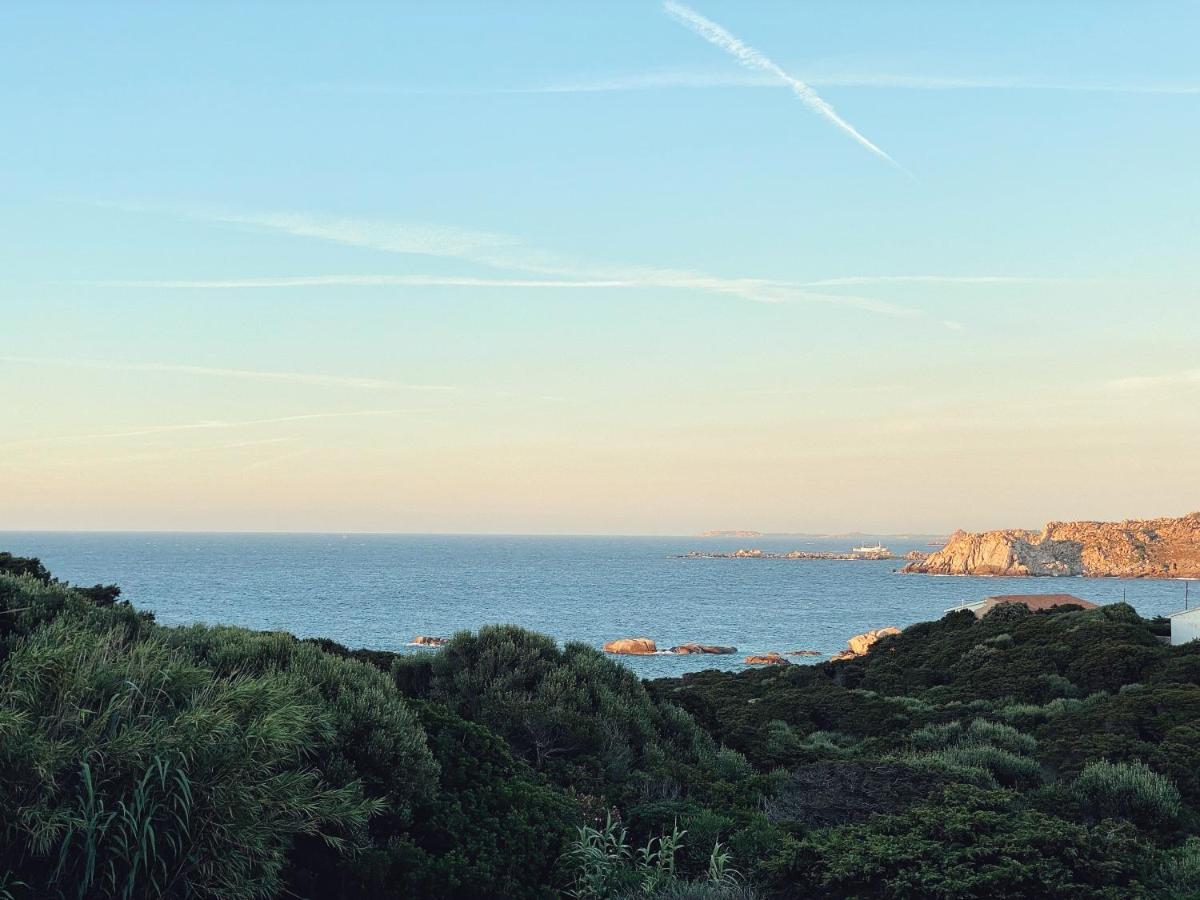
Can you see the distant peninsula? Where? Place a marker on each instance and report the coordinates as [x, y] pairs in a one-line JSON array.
[[1136, 548]]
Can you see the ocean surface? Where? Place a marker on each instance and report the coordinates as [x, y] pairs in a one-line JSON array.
[[380, 590]]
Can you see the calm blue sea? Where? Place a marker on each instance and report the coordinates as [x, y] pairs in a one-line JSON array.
[[380, 590]]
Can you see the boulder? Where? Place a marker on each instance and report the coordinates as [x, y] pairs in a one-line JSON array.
[[860, 644], [425, 640], [805, 653], [767, 659], [702, 648], [639, 646]]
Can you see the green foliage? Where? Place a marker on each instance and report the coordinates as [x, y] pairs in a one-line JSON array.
[[1131, 791], [605, 867], [572, 713], [140, 761], [1178, 873], [130, 771], [966, 843]]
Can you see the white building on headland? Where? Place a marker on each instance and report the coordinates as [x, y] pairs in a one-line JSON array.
[[1185, 626]]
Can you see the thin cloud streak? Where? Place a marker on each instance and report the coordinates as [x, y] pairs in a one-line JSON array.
[[210, 372], [757, 290], [1188, 377], [497, 251], [666, 80], [753, 59], [938, 279], [364, 281], [147, 430]]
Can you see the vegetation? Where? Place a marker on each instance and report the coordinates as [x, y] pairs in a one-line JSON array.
[[1018, 755]]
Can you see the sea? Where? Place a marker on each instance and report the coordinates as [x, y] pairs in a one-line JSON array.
[[379, 591]]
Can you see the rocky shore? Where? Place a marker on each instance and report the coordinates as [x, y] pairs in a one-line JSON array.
[[1136, 548], [791, 554]]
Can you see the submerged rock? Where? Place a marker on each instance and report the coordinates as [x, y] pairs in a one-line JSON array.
[[702, 648], [767, 659], [805, 653], [425, 640], [639, 646]]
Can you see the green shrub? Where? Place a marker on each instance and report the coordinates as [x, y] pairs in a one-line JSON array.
[[963, 843], [1130, 790], [1178, 874], [1008, 769], [980, 733], [128, 769]]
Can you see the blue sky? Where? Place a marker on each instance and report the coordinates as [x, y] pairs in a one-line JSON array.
[[575, 268]]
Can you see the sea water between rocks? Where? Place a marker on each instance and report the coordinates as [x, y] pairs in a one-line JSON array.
[[367, 590]]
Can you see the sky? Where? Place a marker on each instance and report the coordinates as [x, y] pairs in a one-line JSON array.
[[634, 268]]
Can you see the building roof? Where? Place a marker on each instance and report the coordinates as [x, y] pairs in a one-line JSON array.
[[1035, 602], [1183, 612]]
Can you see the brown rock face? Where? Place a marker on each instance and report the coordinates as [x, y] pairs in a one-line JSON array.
[[639, 646], [702, 648], [767, 659], [424, 640], [1137, 548], [861, 644]]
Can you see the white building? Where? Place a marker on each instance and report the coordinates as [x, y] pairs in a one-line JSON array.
[[1185, 626]]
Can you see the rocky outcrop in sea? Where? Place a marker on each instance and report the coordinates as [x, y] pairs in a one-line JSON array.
[[1137, 548]]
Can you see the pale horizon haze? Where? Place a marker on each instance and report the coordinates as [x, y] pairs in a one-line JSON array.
[[624, 268]]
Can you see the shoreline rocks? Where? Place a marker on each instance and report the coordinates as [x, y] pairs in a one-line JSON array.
[[861, 644], [702, 648], [639, 646], [849, 556], [425, 640], [644, 646], [766, 659], [1135, 548]]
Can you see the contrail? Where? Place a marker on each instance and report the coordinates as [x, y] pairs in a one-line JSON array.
[[752, 59]]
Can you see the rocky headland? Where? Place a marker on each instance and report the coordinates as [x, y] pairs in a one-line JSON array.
[[1136, 548]]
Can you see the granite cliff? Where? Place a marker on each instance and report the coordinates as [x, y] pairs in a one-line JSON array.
[[1137, 548]]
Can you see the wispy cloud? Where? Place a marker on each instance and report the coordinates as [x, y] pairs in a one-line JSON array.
[[366, 281], [1188, 377], [937, 279], [497, 251], [511, 254], [148, 430], [321, 380], [757, 290], [753, 59], [686, 79]]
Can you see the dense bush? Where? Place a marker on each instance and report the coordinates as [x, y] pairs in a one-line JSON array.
[[130, 771], [1131, 791], [966, 843]]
